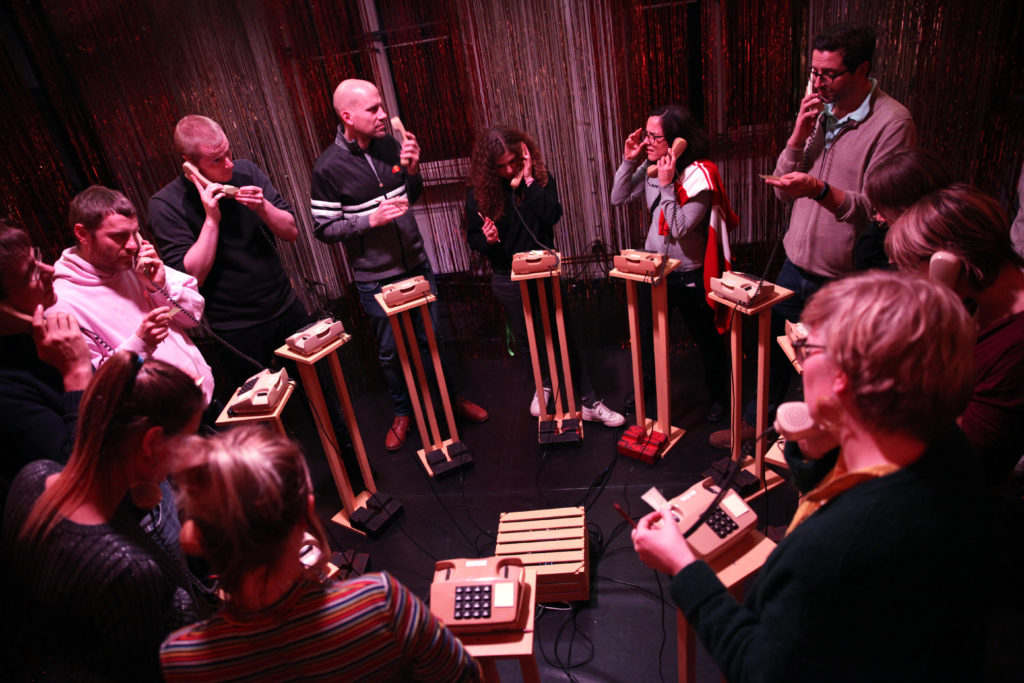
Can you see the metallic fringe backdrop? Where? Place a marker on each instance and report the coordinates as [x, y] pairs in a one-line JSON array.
[[94, 89]]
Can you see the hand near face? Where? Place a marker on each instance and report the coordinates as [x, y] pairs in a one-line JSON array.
[[389, 210], [148, 266], [410, 153], [59, 343], [660, 545], [155, 326], [810, 107], [667, 169], [635, 145], [527, 171], [210, 197]]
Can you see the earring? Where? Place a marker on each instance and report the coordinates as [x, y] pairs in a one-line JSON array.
[[146, 495]]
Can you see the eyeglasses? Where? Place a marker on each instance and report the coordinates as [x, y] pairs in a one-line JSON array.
[[34, 275], [801, 349], [828, 76], [648, 135]]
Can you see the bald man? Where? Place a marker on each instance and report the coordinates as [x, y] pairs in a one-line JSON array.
[[362, 187]]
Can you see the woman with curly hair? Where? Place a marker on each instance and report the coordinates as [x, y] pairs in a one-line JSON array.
[[513, 207]]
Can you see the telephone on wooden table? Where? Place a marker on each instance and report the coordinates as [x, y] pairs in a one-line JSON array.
[[403, 291], [730, 521], [474, 595], [260, 394], [536, 261], [315, 336], [741, 288], [638, 262]]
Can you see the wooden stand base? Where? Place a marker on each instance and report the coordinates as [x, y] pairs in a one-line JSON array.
[[490, 647], [563, 429], [450, 457]]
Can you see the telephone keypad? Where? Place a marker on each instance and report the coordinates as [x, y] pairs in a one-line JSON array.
[[249, 384], [473, 601], [721, 523]]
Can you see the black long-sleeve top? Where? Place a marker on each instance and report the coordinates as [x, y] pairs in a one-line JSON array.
[[540, 210]]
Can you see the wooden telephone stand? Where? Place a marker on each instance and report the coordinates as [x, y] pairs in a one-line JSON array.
[[565, 424], [659, 313], [763, 310], [357, 507], [438, 456]]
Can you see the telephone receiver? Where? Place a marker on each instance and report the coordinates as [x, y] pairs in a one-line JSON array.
[[474, 595], [810, 86], [678, 147], [515, 182], [260, 393], [191, 172], [13, 321], [794, 422], [944, 268], [396, 125]]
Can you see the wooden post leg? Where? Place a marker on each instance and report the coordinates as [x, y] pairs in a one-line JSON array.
[[421, 375], [328, 438], [686, 646], [736, 348], [442, 383], [556, 292], [764, 322], [350, 421], [489, 670], [634, 352], [659, 308], [549, 344], [538, 381], [403, 357]]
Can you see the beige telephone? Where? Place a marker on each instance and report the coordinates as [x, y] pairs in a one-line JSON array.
[[192, 172], [678, 147], [396, 125], [638, 262], [741, 288], [536, 261], [728, 523], [472, 595], [260, 393], [403, 291], [315, 336]]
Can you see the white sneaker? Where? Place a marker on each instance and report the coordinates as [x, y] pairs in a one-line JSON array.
[[602, 413], [535, 404]]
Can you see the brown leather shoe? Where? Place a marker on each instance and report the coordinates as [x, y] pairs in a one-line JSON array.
[[470, 410], [723, 437], [396, 435]]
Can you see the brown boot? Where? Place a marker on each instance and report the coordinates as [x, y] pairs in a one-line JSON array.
[[470, 410], [723, 437], [396, 435]]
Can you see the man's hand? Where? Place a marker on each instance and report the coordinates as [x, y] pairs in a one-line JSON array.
[[667, 168], [810, 107], [148, 266], [490, 231], [660, 545], [389, 210], [635, 144], [410, 154], [795, 185], [210, 197], [251, 197], [155, 326], [527, 171], [59, 342]]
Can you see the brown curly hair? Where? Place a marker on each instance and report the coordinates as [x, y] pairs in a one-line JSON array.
[[484, 178]]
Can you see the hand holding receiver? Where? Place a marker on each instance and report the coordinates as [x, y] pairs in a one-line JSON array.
[[409, 156], [250, 196], [635, 145], [59, 342], [660, 545], [527, 172], [667, 168], [806, 119], [155, 326], [389, 210], [148, 266]]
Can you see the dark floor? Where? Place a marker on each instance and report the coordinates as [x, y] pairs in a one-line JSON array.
[[626, 632]]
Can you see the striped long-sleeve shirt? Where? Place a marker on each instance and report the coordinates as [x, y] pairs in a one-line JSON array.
[[368, 628]]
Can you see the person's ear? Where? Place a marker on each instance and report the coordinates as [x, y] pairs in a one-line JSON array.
[[152, 442], [81, 234]]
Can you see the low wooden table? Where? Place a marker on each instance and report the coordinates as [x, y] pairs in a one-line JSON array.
[[487, 648]]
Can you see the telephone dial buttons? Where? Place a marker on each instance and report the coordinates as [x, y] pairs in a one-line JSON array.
[[473, 602]]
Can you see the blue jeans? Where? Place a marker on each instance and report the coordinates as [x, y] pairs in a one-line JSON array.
[[387, 353], [781, 372]]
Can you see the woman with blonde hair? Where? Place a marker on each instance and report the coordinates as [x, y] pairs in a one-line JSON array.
[[249, 510], [885, 552], [94, 544], [971, 235]]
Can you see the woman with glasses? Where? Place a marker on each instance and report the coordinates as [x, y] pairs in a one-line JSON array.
[[885, 553], [683, 195], [44, 362], [249, 510], [99, 578]]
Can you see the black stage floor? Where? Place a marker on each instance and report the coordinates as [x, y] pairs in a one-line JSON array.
[[627, 630]]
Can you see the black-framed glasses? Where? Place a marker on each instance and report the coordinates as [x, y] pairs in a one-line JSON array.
[[648, 135], [827, 76], [801, 349], [36, 274]]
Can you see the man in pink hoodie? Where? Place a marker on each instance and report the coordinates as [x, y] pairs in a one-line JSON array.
[[123, 296]]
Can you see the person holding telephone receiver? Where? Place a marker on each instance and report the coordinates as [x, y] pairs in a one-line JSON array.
[[512, 207], [684, 195], [122, 294]]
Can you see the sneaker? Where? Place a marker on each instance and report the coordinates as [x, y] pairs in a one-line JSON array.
[[723, 437], [599, 412], [535, 404]]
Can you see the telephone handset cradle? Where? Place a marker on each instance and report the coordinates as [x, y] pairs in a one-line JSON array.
[[536, 261], [260, 393], [741, 288], [315, 336]]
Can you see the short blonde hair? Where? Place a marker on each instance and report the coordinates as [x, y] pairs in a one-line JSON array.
[[246, 490], [904, 343], [960, 220], [194, 132]]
